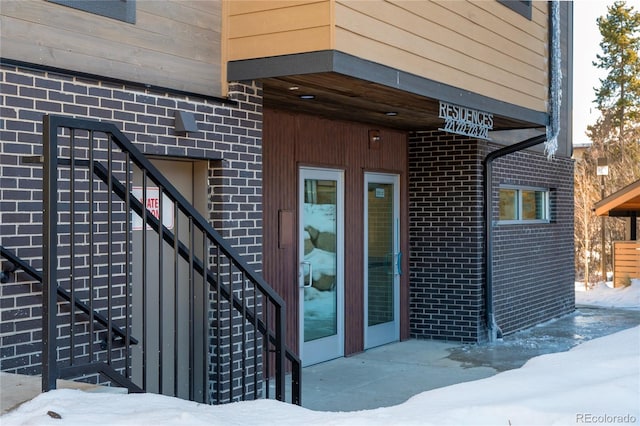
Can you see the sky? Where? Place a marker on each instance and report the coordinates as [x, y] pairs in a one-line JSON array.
[[586, 44], [596, 382]]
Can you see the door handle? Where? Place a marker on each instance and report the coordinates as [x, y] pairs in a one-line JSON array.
[[306, 262], [399, 263]]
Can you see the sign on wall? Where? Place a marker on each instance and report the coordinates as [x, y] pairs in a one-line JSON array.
[[465, 121], [153, 205]]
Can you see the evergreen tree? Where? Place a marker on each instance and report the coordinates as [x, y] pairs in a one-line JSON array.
[[615, 135], [619, 94]]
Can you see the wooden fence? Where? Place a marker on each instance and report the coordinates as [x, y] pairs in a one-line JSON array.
[[626, 262]]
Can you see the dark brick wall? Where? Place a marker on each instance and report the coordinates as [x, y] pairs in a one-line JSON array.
[[533, 263], [445, 237], [235, 183], [229, 138]]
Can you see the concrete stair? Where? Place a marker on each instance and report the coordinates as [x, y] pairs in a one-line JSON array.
[[16, 389]]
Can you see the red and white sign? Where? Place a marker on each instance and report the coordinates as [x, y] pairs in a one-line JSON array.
[[153, 205]]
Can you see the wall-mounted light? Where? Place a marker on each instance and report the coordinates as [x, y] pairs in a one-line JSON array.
[[390, 113], [185, 122], [307, 97], [375, 140]]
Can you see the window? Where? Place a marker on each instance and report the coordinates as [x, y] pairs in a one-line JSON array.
[[524, 205], [523, 7], [122, 10]]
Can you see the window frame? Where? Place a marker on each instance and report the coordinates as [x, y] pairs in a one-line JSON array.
[[519, 204], [122, 10], [521, 7]]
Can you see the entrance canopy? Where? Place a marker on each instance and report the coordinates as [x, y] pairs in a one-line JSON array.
[[334, 84], [624, 203]]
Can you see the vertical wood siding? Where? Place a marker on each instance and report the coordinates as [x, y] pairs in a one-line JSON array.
[[173, 43], [290, 141]]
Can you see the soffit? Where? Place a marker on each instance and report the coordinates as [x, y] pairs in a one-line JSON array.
[[353, 99], [351, 88]]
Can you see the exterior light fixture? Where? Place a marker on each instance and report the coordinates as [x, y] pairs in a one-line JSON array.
[[185, 122], [603, 167], [307, 97], [375, 140], [390, 113]]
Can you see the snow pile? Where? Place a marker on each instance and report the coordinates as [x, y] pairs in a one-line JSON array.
[[321, 216], [604, 295], [318, 304], [324, 263], [596, 382]]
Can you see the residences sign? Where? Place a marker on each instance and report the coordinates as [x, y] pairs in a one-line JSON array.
[[465, 121]]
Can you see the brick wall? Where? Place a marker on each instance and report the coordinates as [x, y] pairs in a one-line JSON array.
[[533, 263], [445, 237], [229, 138], [235, 183]]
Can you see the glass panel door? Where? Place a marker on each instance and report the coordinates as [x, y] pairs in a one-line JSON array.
[[382, 259], [321, 265]]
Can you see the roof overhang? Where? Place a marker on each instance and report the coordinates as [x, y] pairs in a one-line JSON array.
[[623, 203], [351, 88]]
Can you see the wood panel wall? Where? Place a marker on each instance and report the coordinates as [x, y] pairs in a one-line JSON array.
[[173, 43], [626, 262], [481, 46], [293, 140], [256, 29]]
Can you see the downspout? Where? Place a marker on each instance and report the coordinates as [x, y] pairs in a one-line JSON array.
[[550, 140], [487, 168]]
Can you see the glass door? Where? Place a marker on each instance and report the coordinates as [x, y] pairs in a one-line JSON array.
[[382, 259], [321, 265]]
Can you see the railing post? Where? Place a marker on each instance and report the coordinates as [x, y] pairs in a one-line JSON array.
[[296, 382], [50, 255], [280, 353]]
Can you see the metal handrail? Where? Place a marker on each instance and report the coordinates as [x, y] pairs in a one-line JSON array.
[[277, 338], [37, 276]]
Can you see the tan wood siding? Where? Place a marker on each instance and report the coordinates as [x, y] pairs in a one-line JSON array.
[[291, 140], [479, 46], [174, 44], [626, 262], [259, 29]]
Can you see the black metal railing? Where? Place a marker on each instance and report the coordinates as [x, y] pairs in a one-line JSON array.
[[20, 264], [121, 238]]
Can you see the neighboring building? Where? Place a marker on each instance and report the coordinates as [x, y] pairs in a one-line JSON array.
[[626, 253], [579, 150], [315, 144]]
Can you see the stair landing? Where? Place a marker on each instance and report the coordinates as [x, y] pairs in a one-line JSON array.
[[17, 388]]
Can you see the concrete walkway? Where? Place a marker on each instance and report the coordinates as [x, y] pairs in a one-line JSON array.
[[384, 376], [391, 374]]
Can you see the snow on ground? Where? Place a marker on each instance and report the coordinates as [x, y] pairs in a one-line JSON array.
[[604, 295], [595, 382]]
